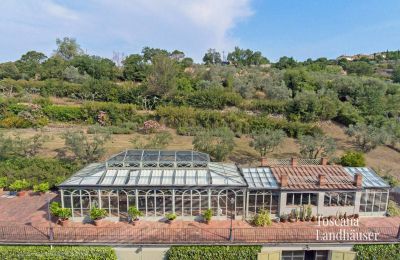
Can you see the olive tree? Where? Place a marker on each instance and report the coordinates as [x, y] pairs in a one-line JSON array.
[[267, 140], [317, 145], [218, 142], [85, 148], [367, 137]]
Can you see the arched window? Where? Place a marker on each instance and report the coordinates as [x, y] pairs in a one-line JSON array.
[[76, 203], [178, 202]]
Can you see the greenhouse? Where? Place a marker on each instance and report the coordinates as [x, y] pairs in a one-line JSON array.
[[187, 183]]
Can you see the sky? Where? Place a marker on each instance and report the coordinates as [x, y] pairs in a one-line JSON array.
[[301, 29]]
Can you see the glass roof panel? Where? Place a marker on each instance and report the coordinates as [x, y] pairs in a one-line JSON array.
[[156, 177], [144, 177], [133, 175], [260, 177], [369, 178], [168, 177]]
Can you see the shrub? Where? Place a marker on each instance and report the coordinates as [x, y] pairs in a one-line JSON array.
[[218, 143], [57, 252], [3, 182], [381, 252], [63, 113], [37, 170], [353, 159], [171, 216], [393, 209], [61, 213], [262, 219], [207, 215], [115, 113], [134, 213], [42, 187], [213, 252], [97, 213], [19, 185]]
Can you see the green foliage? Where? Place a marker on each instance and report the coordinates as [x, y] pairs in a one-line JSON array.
[[207, 215], [170, 216], [157, 141], [318, 145], [266, 141], [353, 159], [94, 66], [63, 113], [218, 143], [213, 252], [214, 98], [115, 113], [162, 77], [19, 185], [3, 182], [85, 149], [378, 252], [97, 213], [391, 180], [393, 209], [242, 57], [37, 170], [361, 68], [367, 137], [41, 187], [68, 48], [262, 219], [18, 146], [59, 212], [9, 70], [134, 213], [212, 57], [57, 252], [135, 68], [396, 75], [285, 63], [29, 63], [297, 80]]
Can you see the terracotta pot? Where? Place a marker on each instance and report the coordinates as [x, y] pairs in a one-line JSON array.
[[292, 220], [63, 222], [98, 222], [21, 193]]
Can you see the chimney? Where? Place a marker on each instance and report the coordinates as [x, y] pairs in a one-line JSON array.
[[322, 179], [324, 161], [294, 162], [284, 180], [358, 180], [264, 161]]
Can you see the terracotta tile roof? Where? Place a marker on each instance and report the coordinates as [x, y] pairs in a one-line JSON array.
[[307, 177]]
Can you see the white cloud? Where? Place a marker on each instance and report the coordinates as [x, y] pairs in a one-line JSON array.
[[103, 26]]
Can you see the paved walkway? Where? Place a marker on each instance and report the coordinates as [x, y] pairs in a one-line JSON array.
[[25, 218]]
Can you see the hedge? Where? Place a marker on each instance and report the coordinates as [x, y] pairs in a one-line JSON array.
[[63, 113], [57, 252], [184, 118], [213, 252], [378, 252]]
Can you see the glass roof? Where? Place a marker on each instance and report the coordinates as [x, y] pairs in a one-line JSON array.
[[158, 158], [260, 177], [98, 175], [369, 178]]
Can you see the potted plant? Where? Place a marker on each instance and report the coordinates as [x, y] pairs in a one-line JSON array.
[[356, 216], [207, 215], [19, 186], [170, 217], [97, 214], [292, 216], [41, 187], [3, 183], [134, 214], [262, 219], [308, 212], [313, 218], [63, 214]]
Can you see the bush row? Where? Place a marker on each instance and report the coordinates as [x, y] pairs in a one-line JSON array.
[[379, 252], [187, 120], [36, 170], [57, 252], [213, 252]]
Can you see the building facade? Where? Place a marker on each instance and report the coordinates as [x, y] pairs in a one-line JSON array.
[[187, 183]]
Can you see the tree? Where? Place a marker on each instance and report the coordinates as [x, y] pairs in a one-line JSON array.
[[266, 141], [150, 53], [396, 75], [84, 148], [95, 66], [9, 70], [68, 48], [361, 68], [297, 80], [72, 74], [29, 63], [353, 159], [285, 63], [135, 68], [212, 57], [367, 137], [162, 77], [21, 147], [218, 142], [318, 145], [242, 57], [53, 68]]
